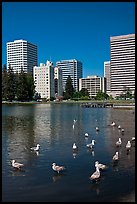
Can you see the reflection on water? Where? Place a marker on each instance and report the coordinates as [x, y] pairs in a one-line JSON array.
[[51, 125]]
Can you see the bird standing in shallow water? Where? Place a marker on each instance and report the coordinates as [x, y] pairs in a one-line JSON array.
[[57, 168], [95, 175], [36, 148], [128, 145], [119, 142], [115, 157], [100, 166], [74, 147], [16, 164]]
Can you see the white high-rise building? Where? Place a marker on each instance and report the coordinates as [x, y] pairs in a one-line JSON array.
[[72, 68], [93, 84], [44, 80], [58, 81], [122, 64], [21, 54], [107, 76]]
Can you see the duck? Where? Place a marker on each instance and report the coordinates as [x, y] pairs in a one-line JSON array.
[[100, 166], [119, 142], [115, 157], [16, 164], [57, 168], [95, 175], [128, 145], [36, 148], [74, 146], [93, 142]]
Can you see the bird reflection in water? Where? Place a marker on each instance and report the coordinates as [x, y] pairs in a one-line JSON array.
[[95, 187], [115, 166], [18, 172], [75, 152], [57, 177], [91, 151]]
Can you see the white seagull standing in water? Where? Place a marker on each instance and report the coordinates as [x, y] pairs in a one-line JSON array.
[[115, 157], [100, 166], [16, 164], [57, 168], [113, 124], [86, 134], [74, 146], [91, 145], [128, 145], [119, 142], [95, 175], [36, 148]]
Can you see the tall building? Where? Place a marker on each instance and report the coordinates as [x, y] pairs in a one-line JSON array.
[[93, 84], [58, 81], [72, 68], [44, 80], [21, 54], [107, 76], [122, 64]]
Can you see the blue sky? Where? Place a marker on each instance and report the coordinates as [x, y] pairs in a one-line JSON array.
[[68, 30]]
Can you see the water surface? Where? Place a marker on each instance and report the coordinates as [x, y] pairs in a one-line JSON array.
[[51, 125]]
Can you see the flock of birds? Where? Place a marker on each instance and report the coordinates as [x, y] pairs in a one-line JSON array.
[[98, 166]]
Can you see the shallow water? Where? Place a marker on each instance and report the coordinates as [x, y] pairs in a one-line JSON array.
[[51, 125]]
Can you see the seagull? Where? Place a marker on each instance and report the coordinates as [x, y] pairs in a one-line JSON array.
[[75, 121], [16, 164], [35, 148], [57, 168], [86, 134], [97, 128], [119, 127], [95, 175], [90, 145], [100, 166], [113, 124], [93, 142], [73, 126], [128, 145], [133, 138], [115, 157], [74, 147], [119, 142], [122, 130]]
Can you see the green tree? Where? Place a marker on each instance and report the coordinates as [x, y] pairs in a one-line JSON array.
[[30, 86], [84, 92], [11, 84], [22, 87], [69, 90], [4, 82], [101, 95]]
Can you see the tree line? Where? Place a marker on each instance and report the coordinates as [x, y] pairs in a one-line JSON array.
[[17, 86]]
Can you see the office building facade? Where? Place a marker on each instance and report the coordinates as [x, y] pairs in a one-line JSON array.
[[21, 54], [107, 76], [93, 84], [44, 80], [72, 68], [122, 64], [58, 81]]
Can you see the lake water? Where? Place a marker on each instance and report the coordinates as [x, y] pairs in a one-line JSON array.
[[51, 125]]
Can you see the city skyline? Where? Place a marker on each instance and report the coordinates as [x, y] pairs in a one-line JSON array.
[[68, 30]]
